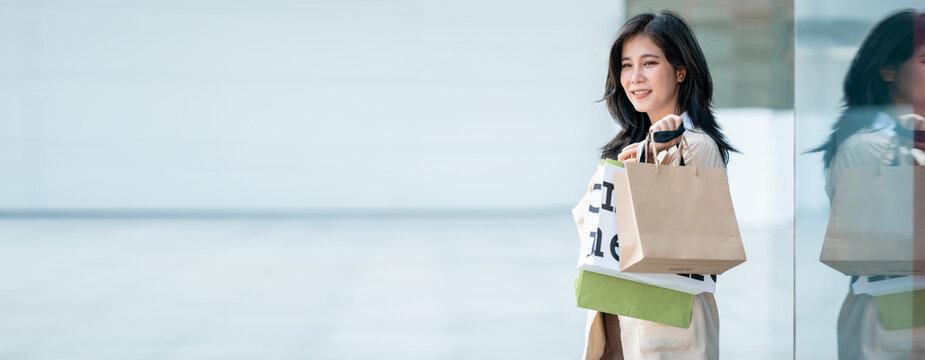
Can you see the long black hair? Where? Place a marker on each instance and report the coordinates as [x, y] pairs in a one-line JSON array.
[[671, 34], [889, 44]]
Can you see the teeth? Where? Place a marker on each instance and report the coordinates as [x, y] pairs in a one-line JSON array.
[[640, 92]]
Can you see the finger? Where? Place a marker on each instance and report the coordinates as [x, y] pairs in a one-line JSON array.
[[656, 127], [673, 119], [669, 122], [626, 155], [661, 125], [676, 121], [629, 152], [667, 144], [622, 155], [630, 147]]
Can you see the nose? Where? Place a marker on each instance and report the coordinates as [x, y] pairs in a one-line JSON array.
[[636, 76]]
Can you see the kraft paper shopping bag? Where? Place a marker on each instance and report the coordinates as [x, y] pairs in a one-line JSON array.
[[676, 219]]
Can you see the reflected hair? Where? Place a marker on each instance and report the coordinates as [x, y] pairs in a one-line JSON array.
[[888, 45], [674, 37]]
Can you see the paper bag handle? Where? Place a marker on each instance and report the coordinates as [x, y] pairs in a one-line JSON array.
[[682, 145], [645, 149]]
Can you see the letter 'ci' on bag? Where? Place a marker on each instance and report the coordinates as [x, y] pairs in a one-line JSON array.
[[676, 219], [877, 222], [600, 242]]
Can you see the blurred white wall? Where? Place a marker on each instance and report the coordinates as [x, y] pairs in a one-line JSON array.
[[347, 105], [291, 104]]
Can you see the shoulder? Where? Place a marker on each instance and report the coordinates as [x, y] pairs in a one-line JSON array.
[[703, 149], [864, 148]]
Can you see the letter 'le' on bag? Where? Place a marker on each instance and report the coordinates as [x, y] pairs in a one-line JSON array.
[[877, 222], [676, 219]]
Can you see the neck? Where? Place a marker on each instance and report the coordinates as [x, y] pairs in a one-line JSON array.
[[672, 107]]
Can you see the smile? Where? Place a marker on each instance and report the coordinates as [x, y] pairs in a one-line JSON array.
[[640, 93]]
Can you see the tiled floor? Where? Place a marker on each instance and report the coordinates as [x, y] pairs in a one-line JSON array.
[[330, 288]]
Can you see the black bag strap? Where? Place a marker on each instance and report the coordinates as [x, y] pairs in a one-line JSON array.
[[666, 136], [663, 136]]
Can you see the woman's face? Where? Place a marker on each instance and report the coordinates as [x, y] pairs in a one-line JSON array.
[[649, 80], [908, 87]]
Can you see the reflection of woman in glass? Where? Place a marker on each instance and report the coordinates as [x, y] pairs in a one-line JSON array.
[[658, 80], [884, 99]]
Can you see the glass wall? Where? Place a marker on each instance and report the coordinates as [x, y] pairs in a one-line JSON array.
[[857, 86]]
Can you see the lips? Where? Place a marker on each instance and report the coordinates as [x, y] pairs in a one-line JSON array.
[[640, 93]]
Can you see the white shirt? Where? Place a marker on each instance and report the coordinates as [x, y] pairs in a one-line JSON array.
[[688, 123], [884, 124]]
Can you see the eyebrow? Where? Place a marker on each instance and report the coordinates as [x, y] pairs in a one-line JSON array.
[[643, 56]]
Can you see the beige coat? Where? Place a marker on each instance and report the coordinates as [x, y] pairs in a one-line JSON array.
[[620, 337], [860, 335]]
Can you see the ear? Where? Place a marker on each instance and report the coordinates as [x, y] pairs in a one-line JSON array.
[[888, 74], [681, 73]]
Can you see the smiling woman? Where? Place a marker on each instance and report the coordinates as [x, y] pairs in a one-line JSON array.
[[658, 61], [658, 72]]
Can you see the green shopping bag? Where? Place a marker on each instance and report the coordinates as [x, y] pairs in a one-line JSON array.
[[629, 298]]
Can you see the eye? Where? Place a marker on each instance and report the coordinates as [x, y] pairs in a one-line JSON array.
[[650, 63], [626, 66]]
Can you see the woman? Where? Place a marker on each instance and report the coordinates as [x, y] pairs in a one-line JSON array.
[[884, 99], [658, 80]]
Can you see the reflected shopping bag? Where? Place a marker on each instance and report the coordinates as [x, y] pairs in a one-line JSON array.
[[877, 222], [676, 219], [601, 245]]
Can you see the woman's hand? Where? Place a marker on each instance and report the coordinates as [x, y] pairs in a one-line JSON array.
[[629, 153], [667, 123]]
